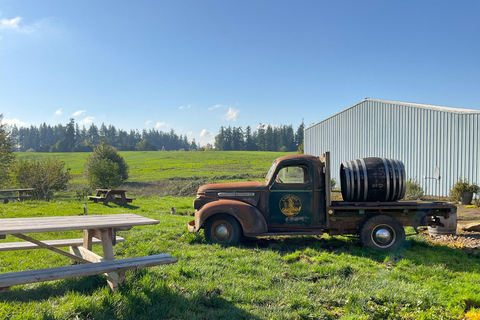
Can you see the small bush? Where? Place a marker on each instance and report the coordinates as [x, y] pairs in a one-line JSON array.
[[414, 190], [333, 183], [105, 168], [81, 192], [460, 187], [44, 176]]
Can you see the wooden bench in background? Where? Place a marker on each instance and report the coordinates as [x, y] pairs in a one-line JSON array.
[[108, 195], [20, 194]]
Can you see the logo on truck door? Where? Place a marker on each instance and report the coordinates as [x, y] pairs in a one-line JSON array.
[[290, 205]]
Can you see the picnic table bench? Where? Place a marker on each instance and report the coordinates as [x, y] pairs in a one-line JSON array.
[[108, 195], [20, 194], [98, 229]]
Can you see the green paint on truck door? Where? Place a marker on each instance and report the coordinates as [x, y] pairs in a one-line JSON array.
[[290, 201]]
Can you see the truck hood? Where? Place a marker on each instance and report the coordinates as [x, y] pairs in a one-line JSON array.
[[234, 186]]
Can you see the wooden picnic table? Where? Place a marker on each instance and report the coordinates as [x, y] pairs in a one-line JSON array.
[[99, 229], [109, 195], [20, 194]]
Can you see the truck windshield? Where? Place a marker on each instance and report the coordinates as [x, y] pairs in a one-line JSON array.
[[270, 172]]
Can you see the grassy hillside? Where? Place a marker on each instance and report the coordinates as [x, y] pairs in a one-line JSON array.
[[157, 165], [265, 278], [176, 173]]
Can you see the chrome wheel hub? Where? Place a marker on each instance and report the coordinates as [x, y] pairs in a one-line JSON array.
[[383, 236], [221, 232]]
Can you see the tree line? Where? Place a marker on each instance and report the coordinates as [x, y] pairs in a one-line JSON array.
[[72, 138], [281, 138]]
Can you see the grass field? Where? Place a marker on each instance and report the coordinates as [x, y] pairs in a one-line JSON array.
[[156, 165], [266, 278]]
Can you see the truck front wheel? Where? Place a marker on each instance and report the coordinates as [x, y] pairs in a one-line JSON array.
[[223, 229], [382, 232]]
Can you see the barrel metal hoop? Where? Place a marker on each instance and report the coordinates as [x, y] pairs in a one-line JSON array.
[[352, 182], [365, 180], [357, 180], [400, 180], [404, 180], [394, 181], [347, 180], [387, 178]]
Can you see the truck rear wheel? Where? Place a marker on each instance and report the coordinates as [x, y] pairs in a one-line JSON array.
[[383, 233], [223, 229]]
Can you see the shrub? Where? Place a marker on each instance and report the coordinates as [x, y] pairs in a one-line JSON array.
[[414, 191], [460, 187], [105, 168], [44, 176], [81, 192], [333, 183]]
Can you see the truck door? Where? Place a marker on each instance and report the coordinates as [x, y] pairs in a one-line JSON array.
[[290, 200]]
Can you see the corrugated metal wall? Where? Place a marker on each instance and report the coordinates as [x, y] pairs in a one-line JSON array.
[[422, 137]]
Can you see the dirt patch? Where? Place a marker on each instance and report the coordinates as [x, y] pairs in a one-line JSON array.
[[469, 241]]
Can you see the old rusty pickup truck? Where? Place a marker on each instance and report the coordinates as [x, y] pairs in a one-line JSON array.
[[295, 199]]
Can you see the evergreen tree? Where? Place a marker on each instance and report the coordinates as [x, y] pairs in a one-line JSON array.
[[105, 168], [299, 135], [6, 152]]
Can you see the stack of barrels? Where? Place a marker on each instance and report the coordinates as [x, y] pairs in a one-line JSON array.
[[373, 179]]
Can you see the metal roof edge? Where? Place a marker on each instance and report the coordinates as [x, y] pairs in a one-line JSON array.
[[336, 114], [429, 106], [408, 104]]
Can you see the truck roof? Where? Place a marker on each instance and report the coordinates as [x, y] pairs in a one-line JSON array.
[[307, 157]]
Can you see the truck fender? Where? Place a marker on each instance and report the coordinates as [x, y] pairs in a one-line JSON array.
[[251, 220]]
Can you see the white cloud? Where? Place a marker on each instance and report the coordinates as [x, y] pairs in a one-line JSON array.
[[148, 122], [87, 120], [205, 133], [79, 113], [11, 122], [58, 112], [232, 114], [185, 107], [217, 106], [10, 23], [161, 124]]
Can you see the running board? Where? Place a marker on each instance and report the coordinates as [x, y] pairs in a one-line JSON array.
[[287, 233]]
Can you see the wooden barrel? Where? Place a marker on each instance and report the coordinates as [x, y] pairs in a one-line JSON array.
[[449, 226], [373, 179]]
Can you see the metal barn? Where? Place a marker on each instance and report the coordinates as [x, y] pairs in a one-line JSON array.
[[422, 136]]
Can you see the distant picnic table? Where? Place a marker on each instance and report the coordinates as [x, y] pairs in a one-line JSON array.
[[18, 194], [108, 195]]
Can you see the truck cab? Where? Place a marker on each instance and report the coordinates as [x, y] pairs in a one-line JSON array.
[[294, 199]]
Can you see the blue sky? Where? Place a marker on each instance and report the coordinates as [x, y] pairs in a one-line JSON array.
[[197, 65]]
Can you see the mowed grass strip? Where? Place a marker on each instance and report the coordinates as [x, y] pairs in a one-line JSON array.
[[267, 278]]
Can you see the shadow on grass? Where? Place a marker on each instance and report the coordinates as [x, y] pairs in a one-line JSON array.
[[122, 205], [135, 300], [416, 249], [46, 290]]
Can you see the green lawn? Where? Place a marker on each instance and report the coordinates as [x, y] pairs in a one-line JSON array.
[[266, 278]]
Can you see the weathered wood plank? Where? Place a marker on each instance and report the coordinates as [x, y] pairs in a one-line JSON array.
[[86, 254], [9, 246], [66, 223], [80, 270], [49, 247]]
